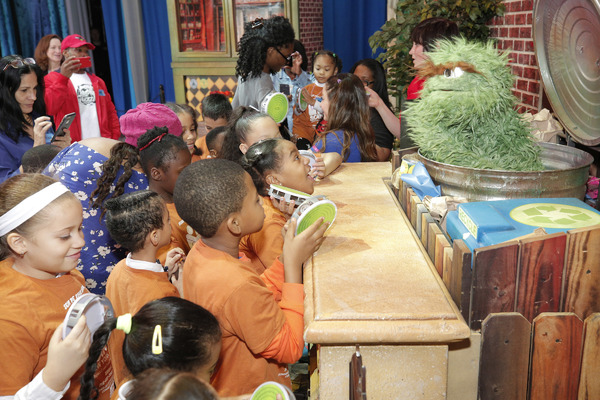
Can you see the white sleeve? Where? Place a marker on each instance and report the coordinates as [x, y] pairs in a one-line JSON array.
[[317, 106], [37, 390]]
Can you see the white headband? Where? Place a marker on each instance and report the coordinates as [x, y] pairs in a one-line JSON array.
[[30, 206]]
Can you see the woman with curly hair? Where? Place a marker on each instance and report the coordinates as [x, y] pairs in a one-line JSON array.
[[265, 47]]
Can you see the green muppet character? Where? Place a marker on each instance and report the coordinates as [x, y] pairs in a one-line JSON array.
[[465, 115]]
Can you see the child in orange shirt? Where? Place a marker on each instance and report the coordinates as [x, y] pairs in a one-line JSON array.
[[261, 317], [163, 157], [139, 222], [273, 161], [325, 64], [40, 243], [166, 333], [216, 109]]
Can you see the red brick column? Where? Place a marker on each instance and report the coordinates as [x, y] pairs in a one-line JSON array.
[[311, 25], [514, 34]]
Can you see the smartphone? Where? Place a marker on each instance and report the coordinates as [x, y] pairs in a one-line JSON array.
[[64, 124], [85, 62], [284, 88]]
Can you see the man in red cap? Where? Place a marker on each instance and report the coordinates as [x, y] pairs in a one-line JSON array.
[[72, 89]]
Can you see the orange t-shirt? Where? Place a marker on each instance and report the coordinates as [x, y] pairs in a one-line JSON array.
[[201, 144], [305, 123], [182, 235], [30, 311], [264, 246], [128, 289], [261, 317]]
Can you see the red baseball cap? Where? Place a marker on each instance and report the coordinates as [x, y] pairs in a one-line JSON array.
[[75, 41]]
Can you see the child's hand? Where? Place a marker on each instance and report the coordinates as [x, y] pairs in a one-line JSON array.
[[318, 169], [174, 261], [297, 249], [66, 356], [286, 208], [296, 63], [307, 97]]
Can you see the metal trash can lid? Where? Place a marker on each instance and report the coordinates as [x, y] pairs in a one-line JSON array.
[[566, 35]]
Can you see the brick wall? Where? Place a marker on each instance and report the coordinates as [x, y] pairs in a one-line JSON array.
[[514, 34], [311, 25]]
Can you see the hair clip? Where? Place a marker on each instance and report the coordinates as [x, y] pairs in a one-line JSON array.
[[257, 23], [158, 138], [254, 108], [334, 55], [339, 80], [157, 340], [124, 323]]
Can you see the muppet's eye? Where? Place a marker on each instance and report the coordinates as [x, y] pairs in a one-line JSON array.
[[453, 73]]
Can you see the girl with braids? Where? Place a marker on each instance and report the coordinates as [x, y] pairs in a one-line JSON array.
[[265, 47], [273, 161], [246, 127], [350, 137], [97, 169], [40, 243], [166, 333]]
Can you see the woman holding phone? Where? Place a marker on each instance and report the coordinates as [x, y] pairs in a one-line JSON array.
[[23, 120]]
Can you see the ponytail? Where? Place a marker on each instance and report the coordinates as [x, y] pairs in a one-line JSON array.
[[261, 158], [121, 154], [88, 387]]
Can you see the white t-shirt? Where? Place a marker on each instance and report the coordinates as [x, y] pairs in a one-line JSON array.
[[86, 97]]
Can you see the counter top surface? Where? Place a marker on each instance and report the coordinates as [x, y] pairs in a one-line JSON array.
[[370, 281]]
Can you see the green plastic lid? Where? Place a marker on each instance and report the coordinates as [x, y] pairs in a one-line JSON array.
[[276, 105]]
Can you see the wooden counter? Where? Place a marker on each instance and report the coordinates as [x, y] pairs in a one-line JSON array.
[[371, 284]]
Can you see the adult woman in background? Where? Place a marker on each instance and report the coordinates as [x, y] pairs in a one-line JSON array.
[[23, 123], [372, 75], [47, 53]]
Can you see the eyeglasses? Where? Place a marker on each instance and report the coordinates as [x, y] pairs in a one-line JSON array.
[[367, 83], [19, 62], [288, 60]]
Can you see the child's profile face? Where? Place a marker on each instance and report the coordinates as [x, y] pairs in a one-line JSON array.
[[217, 146], [293, 168], [165, 232], [262, 128], [324, 68], [205, 371], [171, 171], [56, 243], [252, 214], [189, 133]]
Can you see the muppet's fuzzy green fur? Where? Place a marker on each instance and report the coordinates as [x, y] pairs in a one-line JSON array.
[[470, 120]]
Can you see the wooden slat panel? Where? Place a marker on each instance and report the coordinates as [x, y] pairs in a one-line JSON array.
[[432, 231], [582, 272], [442, 245], [494, 281], [540, 274], [414, 201], [504, 362], [447, 267], [420, 220], [589, 384], [556, 356], [460, 277]]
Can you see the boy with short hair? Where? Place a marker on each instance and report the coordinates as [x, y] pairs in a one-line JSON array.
[[214, 141], [138, 221], [216, 110], [261, 316]]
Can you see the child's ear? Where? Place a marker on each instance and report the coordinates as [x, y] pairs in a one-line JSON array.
[[17, 243], [154, 237], [156, 174], [213, 153], [234, 224], [243, 148], [271, 180]]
